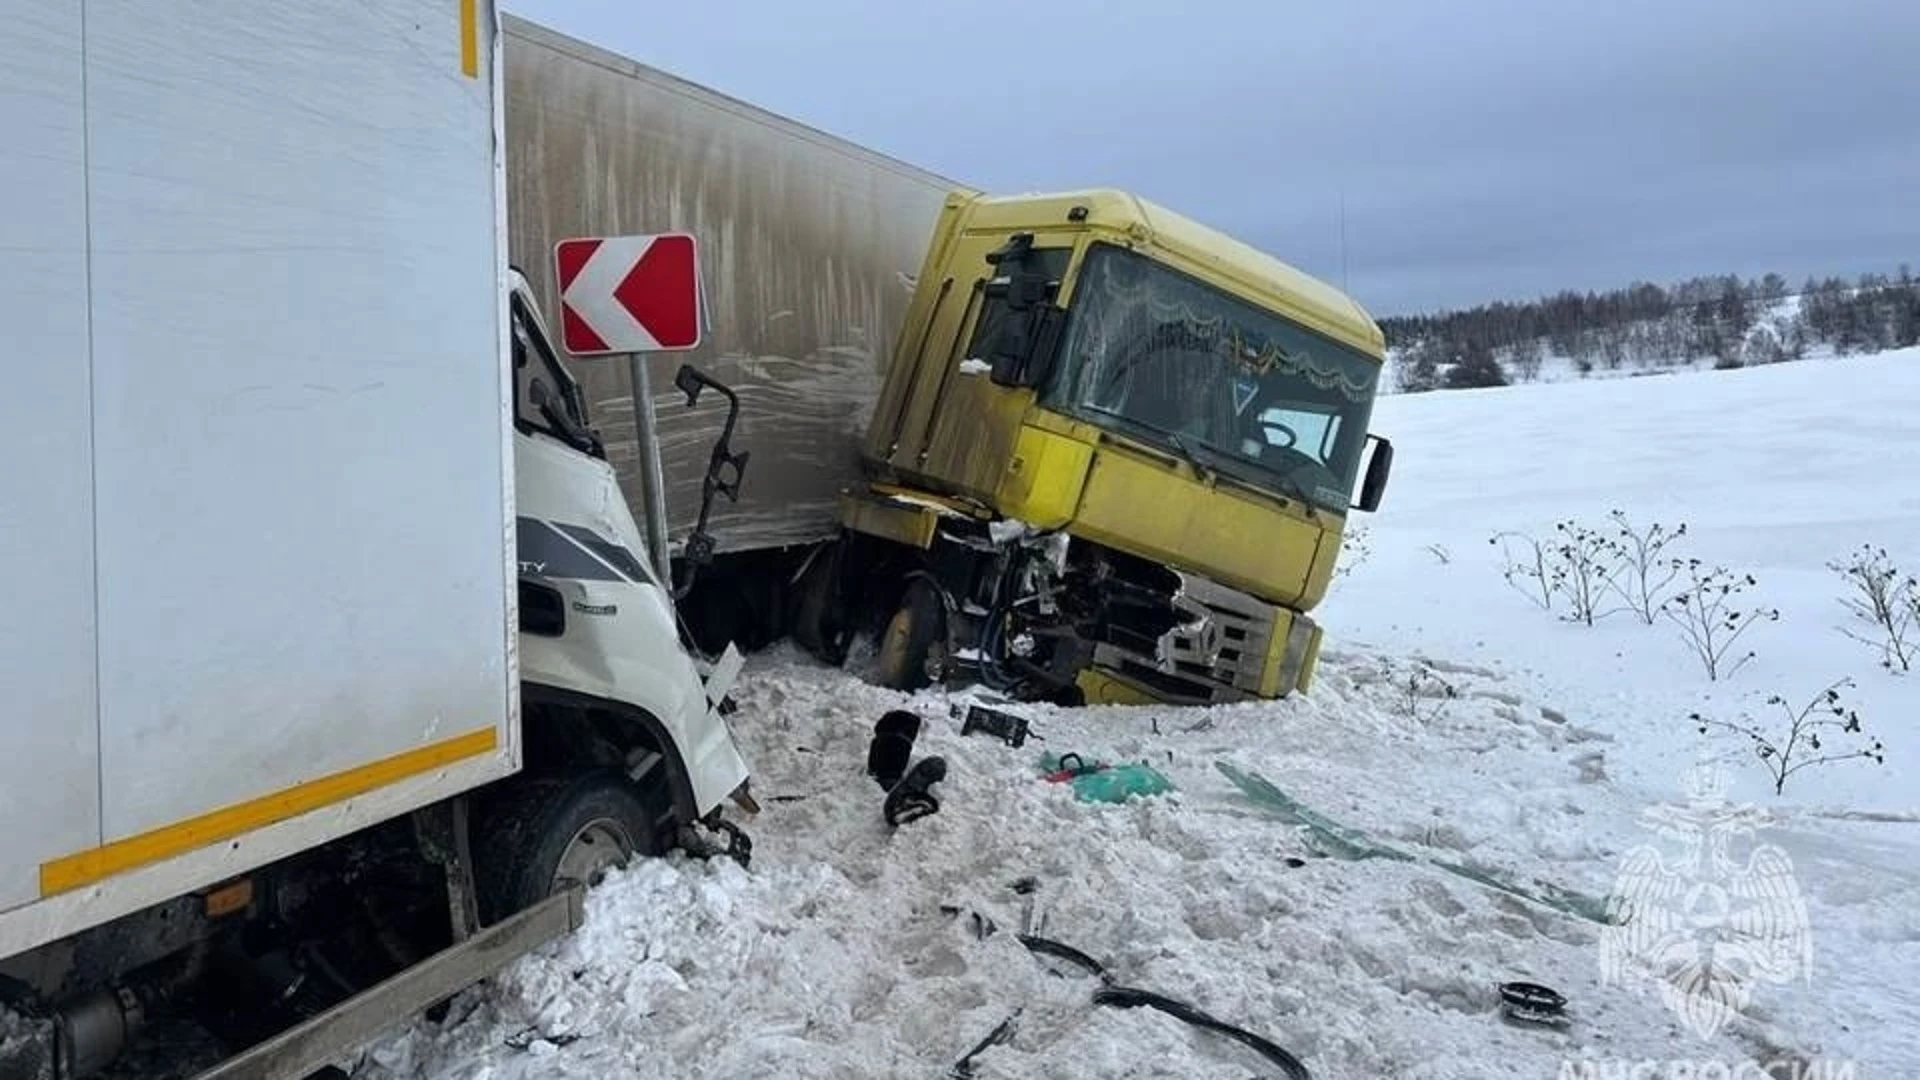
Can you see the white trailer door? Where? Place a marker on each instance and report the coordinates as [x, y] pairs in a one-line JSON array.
[[49, 779], [262, 283], [298, 398]]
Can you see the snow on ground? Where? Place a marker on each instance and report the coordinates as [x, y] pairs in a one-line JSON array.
[[850, 949], [1775, 471]]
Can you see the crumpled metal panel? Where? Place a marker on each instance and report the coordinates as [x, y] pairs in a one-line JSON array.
[[1226, 632], [808, 246]]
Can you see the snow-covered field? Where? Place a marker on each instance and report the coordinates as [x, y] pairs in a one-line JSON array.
[[852, 950]]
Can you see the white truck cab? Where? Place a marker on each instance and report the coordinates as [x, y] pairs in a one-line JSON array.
[[593, 613], [605, 681]]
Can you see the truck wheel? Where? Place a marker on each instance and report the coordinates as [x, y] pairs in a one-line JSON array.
[[912, 635], [551, 832], [819, 619]]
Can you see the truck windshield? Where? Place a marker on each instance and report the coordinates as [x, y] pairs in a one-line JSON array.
[[1155, 354]]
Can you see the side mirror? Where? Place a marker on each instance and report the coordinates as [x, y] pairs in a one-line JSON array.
[[690, 380], [1375, 483], [1024, 354]]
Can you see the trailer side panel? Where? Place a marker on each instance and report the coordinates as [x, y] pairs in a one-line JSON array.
[[809, 245], [48, 770]]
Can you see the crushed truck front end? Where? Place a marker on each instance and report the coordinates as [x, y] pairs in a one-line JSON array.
[[1141, 440]]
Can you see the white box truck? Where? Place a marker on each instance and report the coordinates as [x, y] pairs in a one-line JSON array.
[[331, 662]]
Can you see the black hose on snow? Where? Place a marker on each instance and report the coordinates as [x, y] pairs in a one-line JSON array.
[[1126, 997]]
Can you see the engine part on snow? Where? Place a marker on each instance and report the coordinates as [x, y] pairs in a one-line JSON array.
[[963, 1068], [1032, 918], [892, 747], [527, 1036], [1064, 767], [1328, 837], [912, 798], [1531, 1003], [1101, 782], [737, 846], [909, 794], [983, 927], [1127, 997], [1061, 951], [1011, 729]]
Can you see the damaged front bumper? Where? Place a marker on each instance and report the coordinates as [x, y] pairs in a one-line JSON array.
[[1225, 646]]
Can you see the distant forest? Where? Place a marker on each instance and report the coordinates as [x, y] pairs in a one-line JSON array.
[[1723, 320]]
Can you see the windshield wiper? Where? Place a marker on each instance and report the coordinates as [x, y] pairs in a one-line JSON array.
[[1179, 443], [1298, 490], [1287, 480], [1190, 453]]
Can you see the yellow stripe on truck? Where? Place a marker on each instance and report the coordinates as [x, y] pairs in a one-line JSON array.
[[470, 38], [86, 867]]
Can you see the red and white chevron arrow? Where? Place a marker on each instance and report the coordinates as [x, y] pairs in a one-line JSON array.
[[629, 294]]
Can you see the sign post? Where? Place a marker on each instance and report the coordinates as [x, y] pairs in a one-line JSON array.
[[633, 295], [653, 475]]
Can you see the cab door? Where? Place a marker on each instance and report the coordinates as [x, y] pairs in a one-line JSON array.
[[960, 428]]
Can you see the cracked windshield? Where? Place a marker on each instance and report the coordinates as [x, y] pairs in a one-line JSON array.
[[1158, 355]]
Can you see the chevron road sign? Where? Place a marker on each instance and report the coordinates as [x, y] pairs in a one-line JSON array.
[[629, 294]]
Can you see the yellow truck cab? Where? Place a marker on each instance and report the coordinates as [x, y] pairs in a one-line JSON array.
[[1111, 460]]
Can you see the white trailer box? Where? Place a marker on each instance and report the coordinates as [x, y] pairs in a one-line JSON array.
[[256, 511]]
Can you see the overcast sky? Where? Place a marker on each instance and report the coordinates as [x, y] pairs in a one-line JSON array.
[[1483, 149]]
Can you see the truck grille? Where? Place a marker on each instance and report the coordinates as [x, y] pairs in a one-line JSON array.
[[1186, 637], [1224, 636]]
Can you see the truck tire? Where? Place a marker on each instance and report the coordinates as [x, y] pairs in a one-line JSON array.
[[819, 617], [910, 639], [550, 831]]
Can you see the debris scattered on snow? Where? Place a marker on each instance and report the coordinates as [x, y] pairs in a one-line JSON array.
[[828, 958]]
